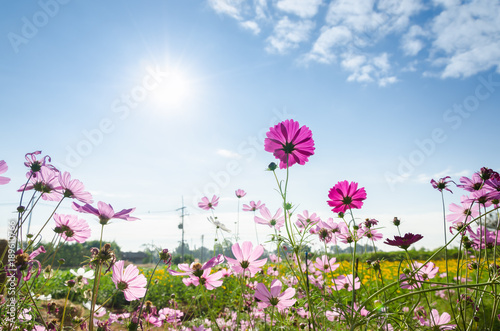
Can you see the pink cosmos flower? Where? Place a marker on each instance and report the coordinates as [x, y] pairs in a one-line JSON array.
[[441, 184], [410, 282], [483, 196], [240, 193], [205, 204], [73, 188], [428, 271], [324, 264], [3, 168], [483, 238], [345, 282], [305, 219], [289, 143], [274, 298], [371, 234], [129, 281], [471, 184], [71, 228], [345, 195], [404, 242], [463, 214], [105, 212], [196, 268], [210, 281], [276, 221], [246, 259], [46, 182], [437, 322], [36, 165], [25, 262], [253, 206]]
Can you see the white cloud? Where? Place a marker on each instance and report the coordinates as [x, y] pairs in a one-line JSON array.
[[368, 69], [329, 38], [231, 8], [251, 25], [411, 45], [358, 15], [228, 154], [301, 8], [288, 34], [467, 38]]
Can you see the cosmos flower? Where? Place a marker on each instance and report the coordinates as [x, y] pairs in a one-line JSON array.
[[105, 212], [404, 242], [73, 188], [240, 193], [83, 275], [36, 165], [437, 322], [463, 214], [3, 168], [304, 219], [197, 268], [289, 143], [218, 224], [274, 297], [471, 184], [206, 204], [210, 281], [276, 221], [253, 206], [246, 259], [129, 281], [46, 182], [324, 264], [71, 228], [345, 282], [345, 195], [441, 184]]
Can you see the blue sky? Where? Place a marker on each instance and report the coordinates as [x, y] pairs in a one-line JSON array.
[[147, 103]]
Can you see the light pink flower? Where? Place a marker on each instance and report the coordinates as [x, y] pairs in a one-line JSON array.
[[428, 271], [46, 182], [36, 165], [345, 195], [465, 213], [253, 206], [105, 212], [246, 259], [240, 193], [206, 204], [289, 143], [438, 321], [210, 281], [274, 298], [3, 168], [471, 184], [371, 234], [346, 282], [276, 221], [197, 268], [410, 282], [324, 264], [71, 228], [306, 219], [73, 188], [129, 281]]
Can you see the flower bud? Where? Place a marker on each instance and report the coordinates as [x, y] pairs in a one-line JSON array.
[[272, 166]]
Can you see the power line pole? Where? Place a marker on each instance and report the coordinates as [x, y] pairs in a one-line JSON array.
[[202, 237], [182, 228]]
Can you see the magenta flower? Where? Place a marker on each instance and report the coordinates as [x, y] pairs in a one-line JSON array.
[[404, 242], [276, 221], [73, 188], [105, 212], [428, 271], [253, 206], [71, 228], [240, 193], [36, 165], [306, 219], [3, 168], [465, 213], [411, 282], [25, 262], [207, 205], [371, 234], [274, 297], [129, 281], [210, 281], [346, 282], [345, 195], [246, 259], [289, 143], [441, 184], [46, 182]]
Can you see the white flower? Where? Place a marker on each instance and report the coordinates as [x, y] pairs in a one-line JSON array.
[[218, 224], [45, 297], [83, 275]]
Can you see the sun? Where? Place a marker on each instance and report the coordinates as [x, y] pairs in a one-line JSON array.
[[174, 91]]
